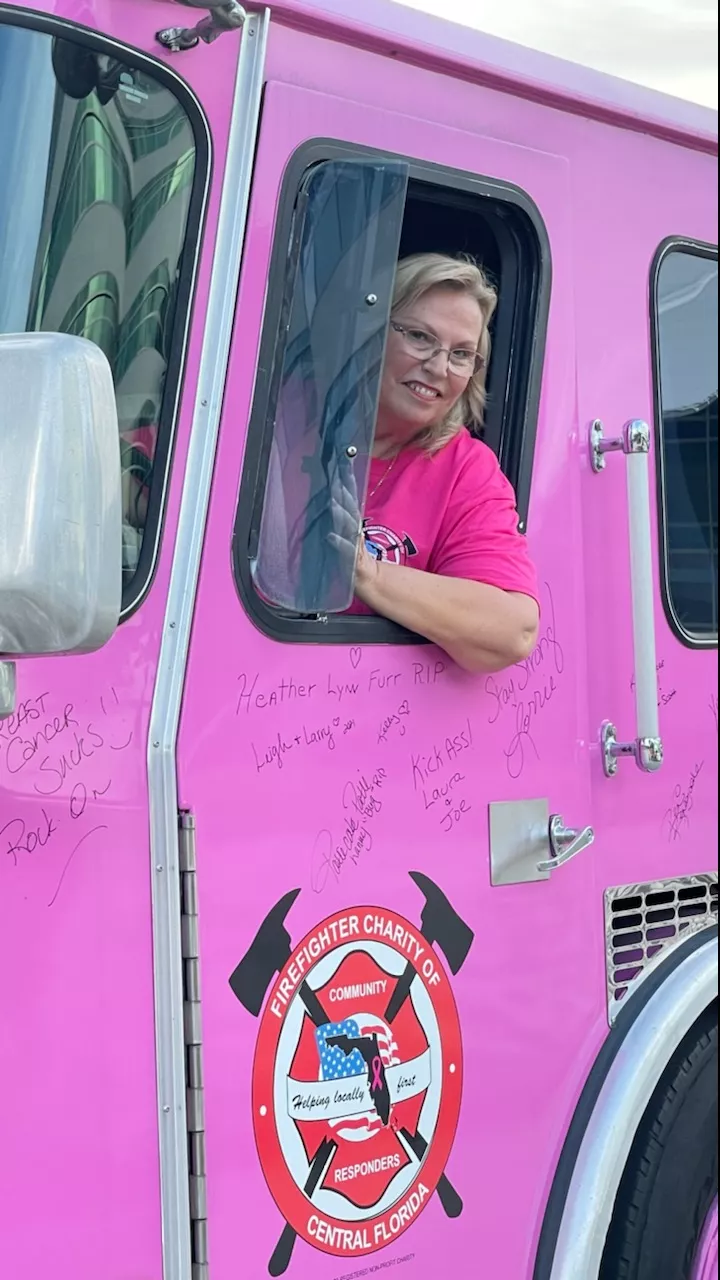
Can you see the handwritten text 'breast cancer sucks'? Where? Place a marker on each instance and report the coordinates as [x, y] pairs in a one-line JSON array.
[[63, 756]]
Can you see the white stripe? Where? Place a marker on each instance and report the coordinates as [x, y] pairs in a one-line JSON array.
[[165, 715]]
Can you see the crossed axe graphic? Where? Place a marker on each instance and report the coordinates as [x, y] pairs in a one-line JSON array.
[[267, 955]]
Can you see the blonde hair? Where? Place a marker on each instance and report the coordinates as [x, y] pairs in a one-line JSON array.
[[414, 276]]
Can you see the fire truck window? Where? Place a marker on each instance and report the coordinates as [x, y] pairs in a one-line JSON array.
[[686, 320], [339, 287], [345, 218], [92, 233]]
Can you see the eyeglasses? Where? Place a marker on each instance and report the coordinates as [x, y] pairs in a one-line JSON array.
[[425, 346]]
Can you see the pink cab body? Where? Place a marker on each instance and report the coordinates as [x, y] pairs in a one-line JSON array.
[[324, 958]]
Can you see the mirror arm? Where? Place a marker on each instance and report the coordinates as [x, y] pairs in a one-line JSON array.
[[8, 689], [224, 15]]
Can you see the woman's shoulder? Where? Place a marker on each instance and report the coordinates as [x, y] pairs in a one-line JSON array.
[[470, 459]]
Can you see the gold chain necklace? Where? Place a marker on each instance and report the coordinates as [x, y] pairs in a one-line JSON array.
[[384, 476]]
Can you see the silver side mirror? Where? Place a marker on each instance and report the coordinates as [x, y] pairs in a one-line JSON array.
[[60, 487]]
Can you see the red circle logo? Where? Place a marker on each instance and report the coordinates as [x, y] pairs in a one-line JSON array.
[[357, 1081]]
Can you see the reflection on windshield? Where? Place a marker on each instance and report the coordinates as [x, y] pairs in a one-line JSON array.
[[98, 161]]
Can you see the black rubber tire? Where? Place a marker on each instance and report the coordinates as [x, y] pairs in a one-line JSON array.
[[671, 1178]]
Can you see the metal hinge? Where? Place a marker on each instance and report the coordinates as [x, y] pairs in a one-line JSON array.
[[193, 1046]]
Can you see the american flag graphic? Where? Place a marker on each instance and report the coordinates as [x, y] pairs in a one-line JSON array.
[[336, 1065]]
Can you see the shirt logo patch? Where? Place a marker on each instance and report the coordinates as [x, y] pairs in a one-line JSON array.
[[383, 543]]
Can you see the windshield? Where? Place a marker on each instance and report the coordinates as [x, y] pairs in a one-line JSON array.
[[98, 163]]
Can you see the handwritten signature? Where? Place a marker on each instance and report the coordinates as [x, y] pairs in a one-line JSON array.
[[677, 816], [361, 804], [320, 735], [286, 690], [360, 794], [436, 785], [254, 696], [665, 696], [426, 765], [451, 806], [517, 693], [396, 720]]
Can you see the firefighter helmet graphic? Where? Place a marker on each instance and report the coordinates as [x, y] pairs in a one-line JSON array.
[[357, 1079]]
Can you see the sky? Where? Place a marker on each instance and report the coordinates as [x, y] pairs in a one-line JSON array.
[[668, 44]]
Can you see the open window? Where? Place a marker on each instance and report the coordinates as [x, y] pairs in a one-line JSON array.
[[346, 216]]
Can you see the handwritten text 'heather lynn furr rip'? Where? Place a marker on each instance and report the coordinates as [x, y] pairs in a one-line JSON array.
[[256, 696]]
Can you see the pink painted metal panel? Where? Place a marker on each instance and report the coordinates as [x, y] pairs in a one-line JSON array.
[[460, 52], [345, 780], [79, 1188], [662, 825], [79, 1057], [629, 193]]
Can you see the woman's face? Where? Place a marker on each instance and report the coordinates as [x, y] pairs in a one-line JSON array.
[[418, 393]]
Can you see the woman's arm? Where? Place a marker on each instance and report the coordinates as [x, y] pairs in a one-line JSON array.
[[482, 628]]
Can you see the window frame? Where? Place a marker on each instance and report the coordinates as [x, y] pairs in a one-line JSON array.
[[360, 629], [700, 249], [141, 581]]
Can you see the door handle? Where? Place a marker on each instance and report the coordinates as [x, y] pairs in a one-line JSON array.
[[565, 843], [647, 748]]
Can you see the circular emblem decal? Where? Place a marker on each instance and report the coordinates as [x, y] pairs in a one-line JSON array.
[[357, 1081], [384, 544]]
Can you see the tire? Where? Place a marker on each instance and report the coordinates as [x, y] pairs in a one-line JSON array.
[[671, 1178]]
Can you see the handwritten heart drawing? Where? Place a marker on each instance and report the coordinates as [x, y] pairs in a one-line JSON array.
[[355, 656]]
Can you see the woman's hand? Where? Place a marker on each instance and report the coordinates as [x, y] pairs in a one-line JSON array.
[[367, 569], [359, 567]]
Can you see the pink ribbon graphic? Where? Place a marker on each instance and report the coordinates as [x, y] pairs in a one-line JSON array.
[[377, 1067]]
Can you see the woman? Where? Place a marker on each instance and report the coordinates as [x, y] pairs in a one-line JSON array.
[[440, 551]]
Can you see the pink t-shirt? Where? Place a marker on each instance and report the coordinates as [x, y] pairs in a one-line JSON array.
[[451, 513]]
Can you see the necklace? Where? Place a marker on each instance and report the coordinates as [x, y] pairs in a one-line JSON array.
[[384, 476]]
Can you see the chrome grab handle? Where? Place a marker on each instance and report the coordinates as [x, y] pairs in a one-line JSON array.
[[647, 747], [565, 843]]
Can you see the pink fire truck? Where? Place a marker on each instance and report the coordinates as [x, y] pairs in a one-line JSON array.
[[324, 958]]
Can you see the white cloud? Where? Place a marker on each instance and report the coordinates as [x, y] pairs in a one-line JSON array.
[[667, 44]]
